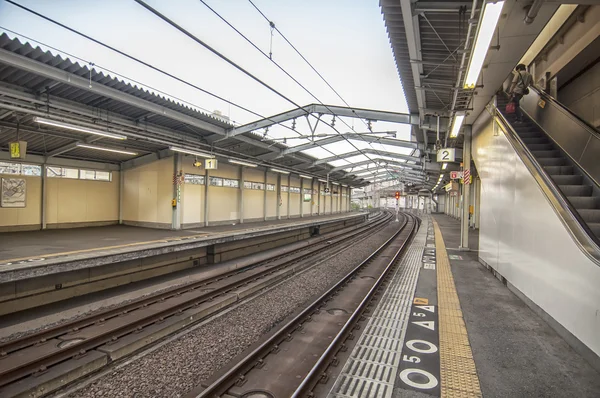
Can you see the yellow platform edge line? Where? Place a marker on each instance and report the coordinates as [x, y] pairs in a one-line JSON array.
[[459, 374]]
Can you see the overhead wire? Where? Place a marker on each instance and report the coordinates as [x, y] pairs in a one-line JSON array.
[[288, 74], [310, 65], [231, 62], [120, 52]]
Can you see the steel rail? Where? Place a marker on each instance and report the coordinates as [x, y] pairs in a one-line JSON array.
[[322, 244], [220, 386], [317, 371]]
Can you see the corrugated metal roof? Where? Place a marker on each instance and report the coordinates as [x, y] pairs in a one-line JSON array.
[[34, 82], [392, 16]]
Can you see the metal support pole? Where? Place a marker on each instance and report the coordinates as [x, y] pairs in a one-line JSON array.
[[265, 198], [278, 204], [289, 183], [318, 198], [176, 219], [464, 224], [206, 184], [301, 197], [43, 209], [241, 204], [121, 192]]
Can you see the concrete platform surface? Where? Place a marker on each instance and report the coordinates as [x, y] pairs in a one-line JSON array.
[[52, 242], [517, 354]]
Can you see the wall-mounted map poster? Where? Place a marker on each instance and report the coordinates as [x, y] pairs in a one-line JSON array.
[[13, 192]]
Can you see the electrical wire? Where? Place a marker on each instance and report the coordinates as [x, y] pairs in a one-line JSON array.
[[120, 52], [312, 67], [272, 25]]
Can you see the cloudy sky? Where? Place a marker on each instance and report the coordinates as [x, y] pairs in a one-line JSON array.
[[345, 40]]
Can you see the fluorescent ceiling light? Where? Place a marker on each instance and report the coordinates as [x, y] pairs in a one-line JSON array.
[[81, 129], [305, 176], [325, 181], [240, 162], [487, 27], [280, 171], [191, 152], [456, 125], [444, 165], [101, 148]]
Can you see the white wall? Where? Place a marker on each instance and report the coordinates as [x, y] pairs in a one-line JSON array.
[[523, 239], [582, 96]]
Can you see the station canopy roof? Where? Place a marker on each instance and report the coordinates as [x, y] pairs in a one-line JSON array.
[[348, 145]]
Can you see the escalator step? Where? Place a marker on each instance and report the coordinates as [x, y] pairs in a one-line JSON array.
[[567, 179], [551, 161], [576, 190], [535, 140], [595, 227], [584, 202], [556, 170], [546, 154], [530, 134], [540, 147], [590, 216]]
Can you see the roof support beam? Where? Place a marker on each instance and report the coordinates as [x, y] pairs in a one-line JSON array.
[[50, 72], [383, 162], [369, 114], [365, 151]]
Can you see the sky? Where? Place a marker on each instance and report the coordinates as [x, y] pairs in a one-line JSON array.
[[345, 40]]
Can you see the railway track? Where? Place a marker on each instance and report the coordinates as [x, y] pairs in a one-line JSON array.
[[45, 361], [294, 358]]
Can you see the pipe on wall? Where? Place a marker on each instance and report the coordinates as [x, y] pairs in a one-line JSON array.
[[533, 11]]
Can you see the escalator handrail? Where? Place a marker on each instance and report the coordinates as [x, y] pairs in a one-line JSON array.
[[591, 129], [567, 213]]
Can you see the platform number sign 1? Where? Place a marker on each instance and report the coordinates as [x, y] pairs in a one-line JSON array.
[[210, 164], [445, 155]]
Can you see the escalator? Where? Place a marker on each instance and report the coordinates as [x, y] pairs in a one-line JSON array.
[[558, 155]]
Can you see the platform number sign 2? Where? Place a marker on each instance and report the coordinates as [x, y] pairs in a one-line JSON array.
[[445, 155]]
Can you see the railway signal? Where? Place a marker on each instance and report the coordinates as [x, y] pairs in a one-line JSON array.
[[397, 195]]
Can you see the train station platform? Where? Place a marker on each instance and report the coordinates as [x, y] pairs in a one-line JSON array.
[[446, 326], [54, 265]]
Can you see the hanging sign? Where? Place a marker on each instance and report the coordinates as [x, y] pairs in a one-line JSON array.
[[455, 175], [18, 149], [446, 155], [210, 164]]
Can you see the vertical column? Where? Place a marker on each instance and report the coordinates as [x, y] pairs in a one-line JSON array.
[[464, 225], [206, 184], [43, 209], [289, 184], [278, 204], [318, 198], [176, 219], [301, 197], [121, 192], [241, 204], [265, 198]]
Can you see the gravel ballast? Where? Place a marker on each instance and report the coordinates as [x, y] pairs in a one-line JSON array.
[[177, 367]]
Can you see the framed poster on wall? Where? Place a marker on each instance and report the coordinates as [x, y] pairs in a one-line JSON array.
[[13, 192]]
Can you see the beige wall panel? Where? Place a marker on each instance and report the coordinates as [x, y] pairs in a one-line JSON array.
[[272, 204], [31, 213], [284, 204], [294, 204], [272, 178], [226, 170], [71, 200], [165, 191], [253, 203], [193, 203], [147, 196], [223, 204], [131, 195], [306, 207], [251, 174]]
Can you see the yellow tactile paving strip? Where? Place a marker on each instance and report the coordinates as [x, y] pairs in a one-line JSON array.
[[459, 375]]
